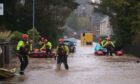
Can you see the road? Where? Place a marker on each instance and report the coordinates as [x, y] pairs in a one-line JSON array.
[[85, 68]]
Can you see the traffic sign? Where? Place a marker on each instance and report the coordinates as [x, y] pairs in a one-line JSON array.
[[1, 9]]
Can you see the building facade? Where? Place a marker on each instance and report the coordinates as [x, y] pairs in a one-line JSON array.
[[105, 27]]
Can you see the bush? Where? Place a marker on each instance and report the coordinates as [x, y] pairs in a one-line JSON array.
[[34, 32], [16, 36], [5, 36]]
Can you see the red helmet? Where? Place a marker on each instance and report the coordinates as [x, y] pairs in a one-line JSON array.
[[108, 39], [24, 36], [45, 40], [61, 40]]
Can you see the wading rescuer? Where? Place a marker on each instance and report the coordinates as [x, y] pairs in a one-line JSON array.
[[22, 51], [62, 53]]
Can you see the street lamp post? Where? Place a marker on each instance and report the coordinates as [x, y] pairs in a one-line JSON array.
[[33, 23], [33, 14]]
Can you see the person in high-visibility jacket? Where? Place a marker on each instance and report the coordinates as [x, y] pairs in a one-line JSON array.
[[109, 45], [41, 42], [22, 52], [62, 52], [46, 46], [103, 42], [99, 45], [31, 45]]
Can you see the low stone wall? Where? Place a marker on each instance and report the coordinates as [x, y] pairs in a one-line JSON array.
[[7, 52], [135, 47]]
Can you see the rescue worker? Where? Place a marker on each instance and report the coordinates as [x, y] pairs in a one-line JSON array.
[[47, 46], [41, 42], [102, 42], [99, 46], [22, 51], [62, 52], [109, 45], [31, 45]]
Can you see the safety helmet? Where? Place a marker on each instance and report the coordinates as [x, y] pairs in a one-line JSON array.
[[45, 40], [61, 40], [24, 36]]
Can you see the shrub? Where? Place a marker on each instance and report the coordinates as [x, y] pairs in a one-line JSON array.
[[5, 36], [16, 36], [33, 34]]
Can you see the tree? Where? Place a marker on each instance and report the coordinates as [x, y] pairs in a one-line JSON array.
[[49, 15], [125, 18], [16, 36], [33, 34]]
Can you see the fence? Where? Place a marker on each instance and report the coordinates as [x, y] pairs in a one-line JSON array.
[[6, 53]]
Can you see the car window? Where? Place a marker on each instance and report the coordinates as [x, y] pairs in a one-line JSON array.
[[68, 43]]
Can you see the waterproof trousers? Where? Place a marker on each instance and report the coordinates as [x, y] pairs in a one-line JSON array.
[[109, 50], [62, 59], [23, 62]]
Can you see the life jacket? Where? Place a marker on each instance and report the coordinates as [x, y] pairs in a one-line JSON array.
[[22, 47], [31, 47], [103, 43], [45, 46], [49, 45], [61, 51], [109, 44]]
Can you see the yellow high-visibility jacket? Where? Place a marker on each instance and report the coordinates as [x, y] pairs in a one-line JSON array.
[[19, 45], [103, 43], [31, 47], [49, 44], [109, 42], [65, 48], [23, 47]]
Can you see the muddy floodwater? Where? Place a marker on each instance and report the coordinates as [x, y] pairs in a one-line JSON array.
[[85, 68]]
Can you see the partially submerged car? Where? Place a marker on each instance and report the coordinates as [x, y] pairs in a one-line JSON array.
[[71, 46], [71, 40]]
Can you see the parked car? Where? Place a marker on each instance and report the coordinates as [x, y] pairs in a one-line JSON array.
[[71, 46], [71, 40]]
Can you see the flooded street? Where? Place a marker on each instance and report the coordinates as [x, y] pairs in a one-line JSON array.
[[85, 68], [35, 27]]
